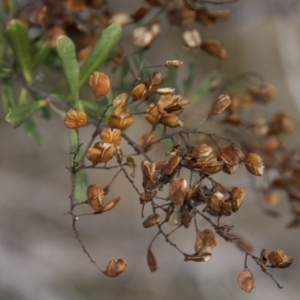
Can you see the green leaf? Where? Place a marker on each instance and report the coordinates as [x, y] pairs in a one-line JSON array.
[[81, 180], [45, 112], [67, 53], [7, 94], [203, 89], [17, 36], [19, 114], [33, 132], [101, 51], [41, 54]]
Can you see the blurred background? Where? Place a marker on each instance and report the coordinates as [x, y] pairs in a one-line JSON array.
[[39, 258]]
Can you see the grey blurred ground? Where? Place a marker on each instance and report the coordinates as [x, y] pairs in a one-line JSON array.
[[39, 259]]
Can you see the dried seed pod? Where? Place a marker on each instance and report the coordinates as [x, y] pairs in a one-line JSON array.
[[122, 122], [100, 152], [148, 141], [214, 48], [38, 15], [165, 91], [119, 154], [131, 165], [186, 216], [173, 64], [75, 119], [198, 257], [271, 197], [264, 93], [151, 260], [152, 220], [205, 241], [145, 35], [236, 198], [152, 115], [111, 136], [220, 105], [178, 103], [260, 127], [139, 13], [111, 204], [206, 17], [99, 83], [148, 169], [174, 219], [192, 190], [226, 209], [191, 38], [120, 18], [95, 197], [177, 190], [139, 91], [282, 123], [232, 156], [279, 259], [263, 260], [210, 165], [119, 104], [246, 281], [147, 197], [74, 5], [174, 150], [115, 267], [171, 120], [83, 54], [202, 151], [171, 167], [254, 164], [215, 202]]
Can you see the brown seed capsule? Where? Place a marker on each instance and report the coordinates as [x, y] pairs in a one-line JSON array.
[[220, 105], [171, 167], [152, 115], [148, 141], [119, 154], [131, 165], [192, 190], [121, 122], [115, 267], [95, 197], [75, 119], [151, 260], [38, 15], [165, 91], [198, 257], [177, 190], [148, 169], [282, 123], [100, 152], [260, 127], [139, 13], [246, 281], [254, 164], [151, 220], [279, 259], [214, 48], [264, 93], [145, 35], [174, 218], [74, 5], [99, 83], [202, 151], [186, 216], [173, 64], [139, 91], [271, 197], [147, 197], [111, 136], [191, 38], [111, 204], [263, 260], [171, 121], [205, 241], [119, 104], [236, 198]]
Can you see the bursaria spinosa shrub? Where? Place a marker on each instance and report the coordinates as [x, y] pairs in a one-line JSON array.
[[180, 187]]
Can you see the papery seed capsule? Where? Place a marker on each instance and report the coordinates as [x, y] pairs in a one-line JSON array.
[[111, 136], [100, 152], [151, 260], [246, 281], [279, 259], [75, 119], [95, 197], [115, 267], [191, 38], [121, 122], [139, 91], [254, 164], [151, 220], [173, 64], [214, 48], [99, 83], [152, 115], [111, 204], [119, 104], [220, 105]]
